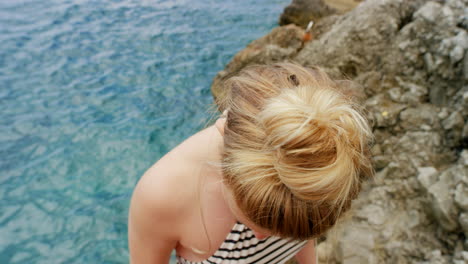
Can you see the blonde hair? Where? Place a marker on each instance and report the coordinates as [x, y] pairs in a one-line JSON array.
[[296, 148]]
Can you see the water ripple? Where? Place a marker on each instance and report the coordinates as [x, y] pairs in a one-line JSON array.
[[91, 94]]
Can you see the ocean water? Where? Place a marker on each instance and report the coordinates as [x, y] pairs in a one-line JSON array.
[[92, 93]]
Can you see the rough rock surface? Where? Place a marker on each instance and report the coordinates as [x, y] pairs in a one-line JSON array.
[[411, 58], [300, 12], [343, 5], [281, 44]]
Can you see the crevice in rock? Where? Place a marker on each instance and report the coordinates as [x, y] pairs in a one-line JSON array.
[[463, 145], [349, 70], [405, 21], [463, 24]]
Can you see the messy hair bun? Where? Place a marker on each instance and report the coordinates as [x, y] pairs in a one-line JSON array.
[[295, 148]]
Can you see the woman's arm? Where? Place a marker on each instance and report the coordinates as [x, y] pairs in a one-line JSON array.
[[152, 225], [307, 254]]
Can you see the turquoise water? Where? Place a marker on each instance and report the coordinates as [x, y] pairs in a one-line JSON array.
[[92, 93]]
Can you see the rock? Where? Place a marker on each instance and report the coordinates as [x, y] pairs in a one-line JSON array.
[[395, 94], [300, 12], [381, 161], [343, 5], [385, 111], [434, 12], [414, 146], [465, 66], [454, 124], [427, 176], [281, 43], [457, 46], [442, 201], [463, 220], [437, 257], [431, 11], [461, 196], [443, 113], [324, 251], [414, 218], [374, 214], [372, 82], [357, 244], [464, 158], [376, 150], [454, 121], [423, 117], [412, 93], [438, 95]]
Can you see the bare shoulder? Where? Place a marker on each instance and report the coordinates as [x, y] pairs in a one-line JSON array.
[[163, 192], [159, 205], [164, 201], [167, 191]]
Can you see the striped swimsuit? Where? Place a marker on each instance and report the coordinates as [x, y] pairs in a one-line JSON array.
[[241, 246]]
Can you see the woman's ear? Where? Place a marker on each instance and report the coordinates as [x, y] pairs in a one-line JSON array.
[[221, 122]]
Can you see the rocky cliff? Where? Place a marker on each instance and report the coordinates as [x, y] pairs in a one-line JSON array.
[[410, 59]]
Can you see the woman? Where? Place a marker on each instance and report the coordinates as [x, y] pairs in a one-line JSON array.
[[274, 173]]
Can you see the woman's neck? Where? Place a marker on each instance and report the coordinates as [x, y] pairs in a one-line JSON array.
[[211, 178], [204, 150], [215, 145]]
